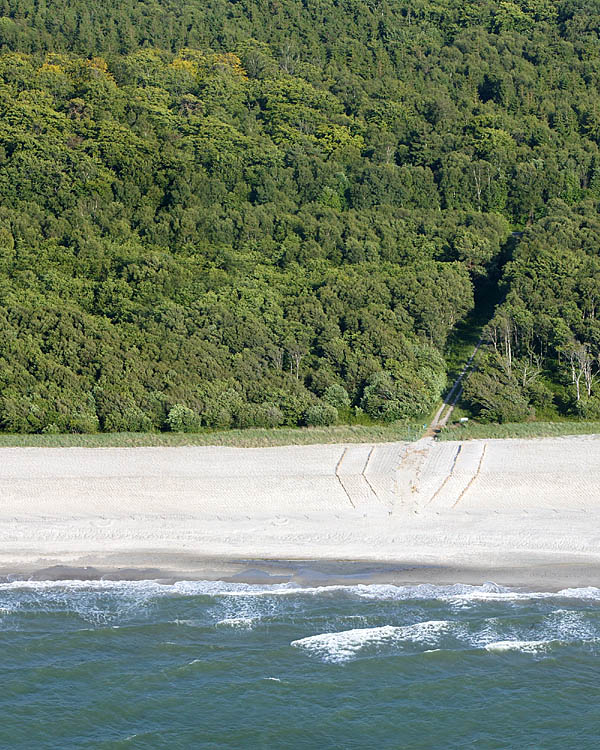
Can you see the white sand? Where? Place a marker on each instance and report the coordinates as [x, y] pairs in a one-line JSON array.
[[486, 505]]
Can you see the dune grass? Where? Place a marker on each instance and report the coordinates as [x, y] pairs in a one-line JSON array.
[[259, 437], [475, 430], [249, 438]]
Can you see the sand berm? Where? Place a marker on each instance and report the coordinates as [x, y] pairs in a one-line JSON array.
[[520, 512]]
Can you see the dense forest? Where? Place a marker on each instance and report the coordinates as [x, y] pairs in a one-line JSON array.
[[264, 212]]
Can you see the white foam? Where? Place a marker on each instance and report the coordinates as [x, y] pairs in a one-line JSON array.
[[570, 626], [151, 588], [188, 623], [243, 623], [525, 647], [345, 645], [97, 602], [587, 592]]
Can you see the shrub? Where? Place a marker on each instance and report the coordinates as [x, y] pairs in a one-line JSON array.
[[320, 415], [337, 395], [221, 408], [588, 408], [83, 421], [183, 419], [496, 396], [293, 405], [259, 415], [269, 415], [390, 400], [129, 420], [540, 395]]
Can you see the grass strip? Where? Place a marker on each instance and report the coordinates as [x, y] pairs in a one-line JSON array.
[[477, 431], [248, 438]]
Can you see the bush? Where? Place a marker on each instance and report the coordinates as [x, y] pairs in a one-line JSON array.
[[390, 400], [259, 415], [20, 414], [221, 407], [247, 416], [320, 415], [337, 395], [496, 396], [119, 411], [293, 405], [83, 421], [270, 415], [183, 419], [129, 420], [540, 395], [588, 408]]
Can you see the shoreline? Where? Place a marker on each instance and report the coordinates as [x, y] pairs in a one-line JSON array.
[[541, 575], [516, 512]]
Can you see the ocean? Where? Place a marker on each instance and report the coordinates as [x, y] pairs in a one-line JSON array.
[[230, 665]]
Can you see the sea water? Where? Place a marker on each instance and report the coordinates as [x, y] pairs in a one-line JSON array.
[[231, 665]]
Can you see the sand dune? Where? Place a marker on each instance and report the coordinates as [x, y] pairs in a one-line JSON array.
[[487, 504]]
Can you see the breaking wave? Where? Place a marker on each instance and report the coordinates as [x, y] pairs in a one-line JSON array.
[[525, 647], [347, 644], [242, 623], [149, 588]]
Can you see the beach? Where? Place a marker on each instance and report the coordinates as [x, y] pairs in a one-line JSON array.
[[432, 594], [518, 512]]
